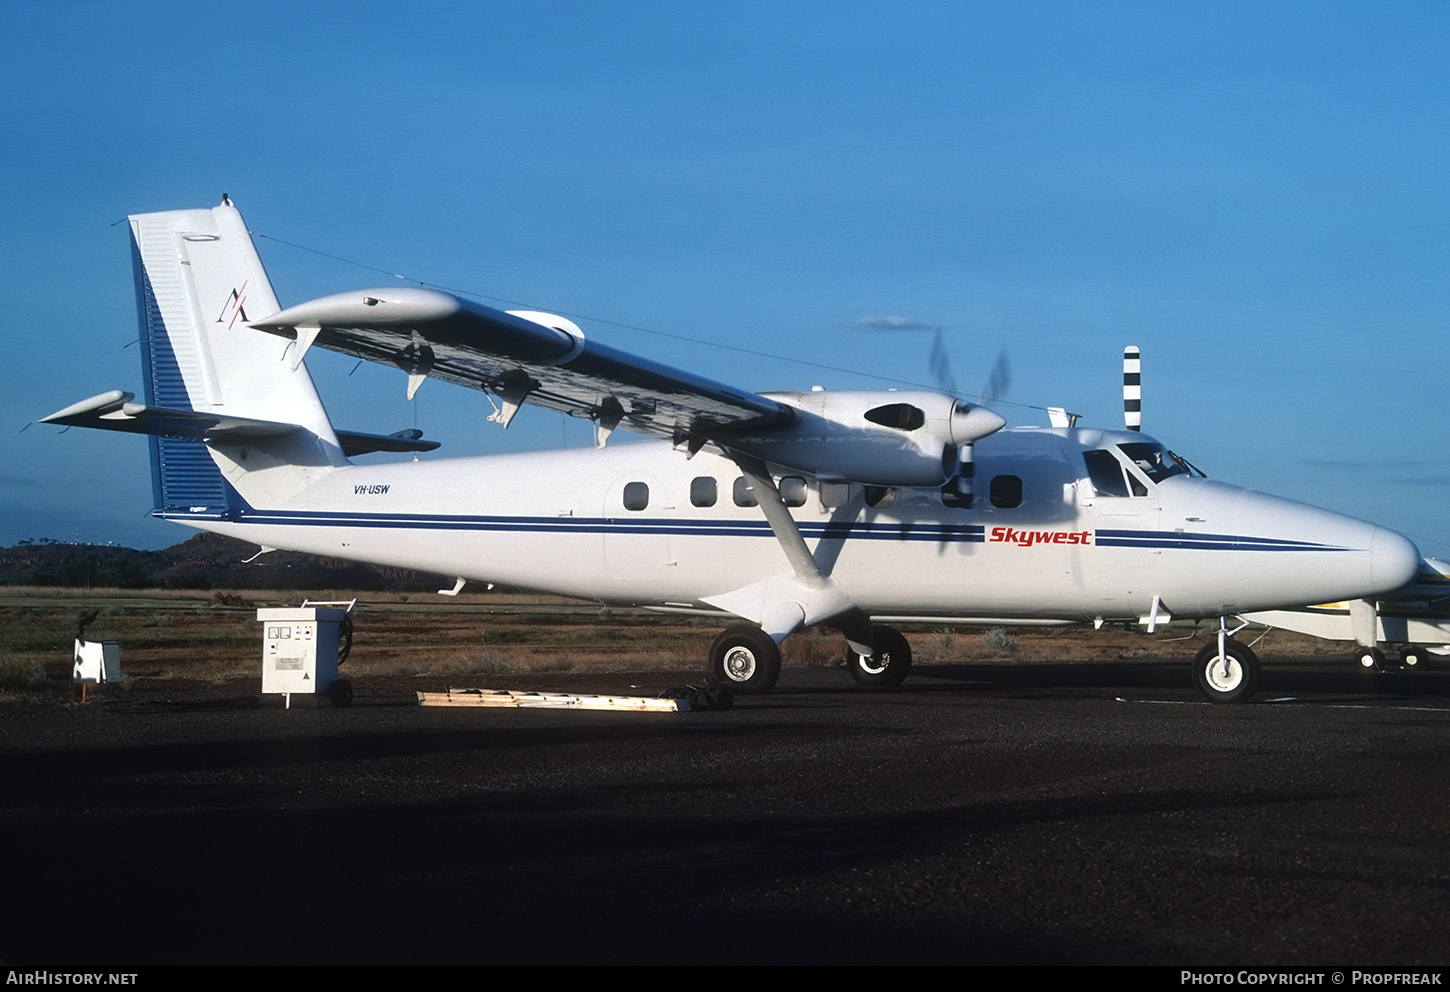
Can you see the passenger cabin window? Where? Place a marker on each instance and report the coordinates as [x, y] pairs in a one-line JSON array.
[[793, 490], [743, 494], [703, 491], [880, 497], [954, 499], [1006, 491], [636, 496], [834, 494]]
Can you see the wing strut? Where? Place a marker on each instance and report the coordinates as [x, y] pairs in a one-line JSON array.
[[785, 603]]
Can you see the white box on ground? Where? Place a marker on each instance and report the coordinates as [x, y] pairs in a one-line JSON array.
[[299, 648], [97, 662]]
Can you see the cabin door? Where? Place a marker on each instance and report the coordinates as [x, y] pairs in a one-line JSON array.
[[637, 524]]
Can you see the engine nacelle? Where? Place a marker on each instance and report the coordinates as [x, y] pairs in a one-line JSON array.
[[874, 438]]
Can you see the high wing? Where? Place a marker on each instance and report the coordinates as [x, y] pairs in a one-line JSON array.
[[522, 357]]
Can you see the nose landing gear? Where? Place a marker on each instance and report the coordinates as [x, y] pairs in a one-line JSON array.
[[1226, 671]]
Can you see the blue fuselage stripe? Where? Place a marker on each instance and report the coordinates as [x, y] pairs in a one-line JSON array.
[[595, 525], [1202, 542], [619, 526]]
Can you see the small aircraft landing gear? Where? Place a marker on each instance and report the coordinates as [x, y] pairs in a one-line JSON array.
[[889, 666], [1226, 671], [745, 658], [1371, 660], [1377, 660]]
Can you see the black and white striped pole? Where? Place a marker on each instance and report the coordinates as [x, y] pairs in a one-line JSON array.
[[1132, 389]]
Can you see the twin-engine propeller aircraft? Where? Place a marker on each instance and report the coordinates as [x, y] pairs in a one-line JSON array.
[[851, 510]]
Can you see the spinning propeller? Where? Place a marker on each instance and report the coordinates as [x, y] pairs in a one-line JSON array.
[[957, 460]]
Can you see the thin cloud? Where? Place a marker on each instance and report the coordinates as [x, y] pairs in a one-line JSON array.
[[1425, 480], [893, 323], [937, 360], [1353, 463]]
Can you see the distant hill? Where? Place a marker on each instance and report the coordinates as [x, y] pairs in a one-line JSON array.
[[206, 561]]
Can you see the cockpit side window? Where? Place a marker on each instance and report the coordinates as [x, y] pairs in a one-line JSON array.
[[1105, 473]]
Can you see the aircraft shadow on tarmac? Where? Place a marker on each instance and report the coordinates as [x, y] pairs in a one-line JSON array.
[[1299, 677]]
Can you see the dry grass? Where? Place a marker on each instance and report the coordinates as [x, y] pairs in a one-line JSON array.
[[205, 636], [199, 635]]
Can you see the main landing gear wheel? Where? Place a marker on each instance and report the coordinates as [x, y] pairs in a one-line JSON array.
[[1228, 678], [745, 659], [1412, 658], [890, 664], [1371, 659]]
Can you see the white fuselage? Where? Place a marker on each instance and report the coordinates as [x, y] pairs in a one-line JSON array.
[[636, 524]]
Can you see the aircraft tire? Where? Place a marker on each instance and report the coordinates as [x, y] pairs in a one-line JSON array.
[[889, 666], [745, 659], [1230, 680], [340, 692], [1371, 660], [1411, 659]]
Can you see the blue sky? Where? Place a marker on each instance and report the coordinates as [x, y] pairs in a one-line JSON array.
[[1254, 193]]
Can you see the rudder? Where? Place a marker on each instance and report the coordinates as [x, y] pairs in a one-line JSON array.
[[199, 282]]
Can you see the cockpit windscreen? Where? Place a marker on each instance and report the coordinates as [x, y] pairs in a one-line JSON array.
[[1156, 461]]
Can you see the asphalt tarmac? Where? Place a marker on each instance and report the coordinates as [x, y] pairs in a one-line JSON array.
[[1002, 814]]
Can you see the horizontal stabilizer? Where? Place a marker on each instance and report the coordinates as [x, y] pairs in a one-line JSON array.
[[117, 411], [358, 443]]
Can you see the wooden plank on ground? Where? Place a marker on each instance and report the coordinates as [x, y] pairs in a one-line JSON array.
[[550, 700]]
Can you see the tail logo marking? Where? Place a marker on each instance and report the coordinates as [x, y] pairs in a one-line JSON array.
[[235, 306]]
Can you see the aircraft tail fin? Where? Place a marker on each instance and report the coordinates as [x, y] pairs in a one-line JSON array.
[[199, 283]]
